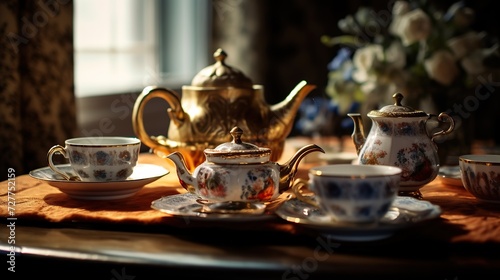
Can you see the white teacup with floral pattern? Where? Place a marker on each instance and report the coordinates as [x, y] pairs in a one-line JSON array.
[[481, 176], [351, 193], [98, 159]]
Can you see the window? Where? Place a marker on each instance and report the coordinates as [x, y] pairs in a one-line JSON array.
[[125, 45]]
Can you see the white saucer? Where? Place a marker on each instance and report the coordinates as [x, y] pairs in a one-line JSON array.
[[405, 212], [188, 206], [143, 174], [450, 175]]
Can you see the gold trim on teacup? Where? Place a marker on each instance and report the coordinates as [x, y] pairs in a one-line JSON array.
[[319, 174], [322, 173], [135, 142], [481, 161]]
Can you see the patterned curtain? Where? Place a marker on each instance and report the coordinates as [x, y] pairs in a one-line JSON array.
[[37, 102]]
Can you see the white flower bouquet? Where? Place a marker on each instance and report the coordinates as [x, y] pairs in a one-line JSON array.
[[434, 58]]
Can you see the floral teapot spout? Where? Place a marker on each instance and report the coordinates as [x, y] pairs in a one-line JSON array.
[[239, 171], [219, 98], [398, 137]]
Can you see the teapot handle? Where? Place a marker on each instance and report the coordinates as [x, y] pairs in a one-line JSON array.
[[444, 118], [175, 112]]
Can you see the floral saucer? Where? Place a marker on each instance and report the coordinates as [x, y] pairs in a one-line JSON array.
[[143, 174], [450, 175], [189, 205], [405, 212]]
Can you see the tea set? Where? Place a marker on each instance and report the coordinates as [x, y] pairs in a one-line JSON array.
[[239, 171], [99, 168], [399, 136], [142, 175], [98, 159], [225, 142]]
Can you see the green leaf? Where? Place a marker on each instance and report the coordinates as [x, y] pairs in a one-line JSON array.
[[341, 40]]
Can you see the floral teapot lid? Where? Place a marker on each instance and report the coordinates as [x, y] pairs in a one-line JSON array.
[[237, 151], [397, 110], [220, 74]]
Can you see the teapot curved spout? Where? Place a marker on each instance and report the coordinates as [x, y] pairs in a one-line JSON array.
[[285, 111], [289, 169], [358, 135], [186, 179]]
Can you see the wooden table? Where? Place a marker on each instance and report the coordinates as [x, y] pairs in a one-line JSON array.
[[126, 239]]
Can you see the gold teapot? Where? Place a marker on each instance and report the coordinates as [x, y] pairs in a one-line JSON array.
[[219, 98]]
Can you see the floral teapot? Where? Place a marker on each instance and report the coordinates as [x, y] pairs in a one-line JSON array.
[[219, 98], [239, 171], [398, 137]]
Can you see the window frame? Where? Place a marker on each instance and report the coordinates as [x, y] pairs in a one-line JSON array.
[[110, 112]]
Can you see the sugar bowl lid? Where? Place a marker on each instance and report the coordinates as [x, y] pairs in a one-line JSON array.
[[220, 74], [397, 109], [237, 151]]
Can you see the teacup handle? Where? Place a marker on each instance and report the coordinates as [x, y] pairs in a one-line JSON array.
[[58, 149], [297, 186]]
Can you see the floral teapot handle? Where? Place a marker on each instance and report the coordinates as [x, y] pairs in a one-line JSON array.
[[444, 118]]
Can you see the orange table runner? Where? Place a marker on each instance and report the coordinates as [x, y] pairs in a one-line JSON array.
[[464, 219], [38, 201]]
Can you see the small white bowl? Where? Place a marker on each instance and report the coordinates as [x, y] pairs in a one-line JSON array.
[[481, 176]]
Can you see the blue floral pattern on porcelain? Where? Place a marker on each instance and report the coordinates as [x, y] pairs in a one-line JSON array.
[[403, 137], [404, 144], [103, 164], [259, 183], [483, 185], [355, 200]]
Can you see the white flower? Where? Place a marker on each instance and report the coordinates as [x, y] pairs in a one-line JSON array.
[[365, 60], [442, 67], [400, 8], [395, 55], [466, 43], [412, 27], [376, 68], [426, 51]]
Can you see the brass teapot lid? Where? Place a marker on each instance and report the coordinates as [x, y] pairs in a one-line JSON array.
[[397, 109], [237, 151], [220, 74]]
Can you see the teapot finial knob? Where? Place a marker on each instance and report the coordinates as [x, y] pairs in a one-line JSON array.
[[397, 98], [236, 132], [220, 55]]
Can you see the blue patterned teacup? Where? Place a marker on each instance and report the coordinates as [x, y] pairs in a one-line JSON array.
[[98, 159], [351, 193]]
